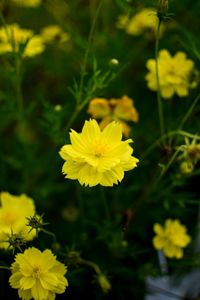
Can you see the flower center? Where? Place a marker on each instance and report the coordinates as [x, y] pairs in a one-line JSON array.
[[99, 148], [9, 218], [36, 272]]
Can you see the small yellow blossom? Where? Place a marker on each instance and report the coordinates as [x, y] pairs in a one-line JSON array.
[[175, 73], [97, 157], [121, 110], [13, 36], [144, 20], [54, 33], [38, 275], [171, 238], [31, 3], [13, 213]]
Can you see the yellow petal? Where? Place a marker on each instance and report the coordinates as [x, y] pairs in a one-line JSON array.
[[158, 242], [112, 133], [27, 282], [38, 292], [14, 280], [90, 131], [158, 229]]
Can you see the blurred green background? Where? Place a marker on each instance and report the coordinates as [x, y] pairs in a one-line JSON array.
[[116, 236]]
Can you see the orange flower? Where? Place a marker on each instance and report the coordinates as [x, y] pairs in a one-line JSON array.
[[121, 110]]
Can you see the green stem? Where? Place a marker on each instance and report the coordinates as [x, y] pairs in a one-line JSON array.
[[79, 105], [84, 65], [18, 86], [91, 264], [4, 268], [170, 162], [164, 137], [159, 100], [187, 115]]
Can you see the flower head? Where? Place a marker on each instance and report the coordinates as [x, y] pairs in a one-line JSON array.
[[54, 33], [31, 3], [144, 20], [13, 37], [175, 74], [38, 275], [171, 238], [121, 110], [97, 157], [13, 217]]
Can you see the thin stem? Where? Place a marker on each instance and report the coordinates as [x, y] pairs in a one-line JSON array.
[[187, 115], [4, 268], [91, 264], [164, 137], [18, 85], [83, 69], [50, 233], [79, 105], [159, 100], [170, 162]]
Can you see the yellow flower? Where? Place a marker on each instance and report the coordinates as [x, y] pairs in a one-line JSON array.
[[54, 33], [171, 238], [97, 157], [13, 213], [175, 74], [27, 2], [38, 275], [120, 110], [144, 20], [13, 36]]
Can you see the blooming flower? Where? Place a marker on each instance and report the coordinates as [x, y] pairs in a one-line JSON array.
[[54, 33], [97, 157], [144, 20], [171, 238], [27, 3], [175, 74], [38, 275], [12, 37], [13, 213], [120, 110]]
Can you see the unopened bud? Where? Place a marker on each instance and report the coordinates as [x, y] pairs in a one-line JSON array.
[[114, 62], [162, 8], [104, 283], [58, 107]]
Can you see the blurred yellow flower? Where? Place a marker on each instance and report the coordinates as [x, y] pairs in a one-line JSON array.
[[144, 20], [120, 110], [38, 275], [171, 238], [54, 33], [27, 2], [175, 74], [97, 157], [12, 37], [13, 213]]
